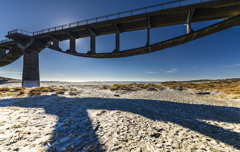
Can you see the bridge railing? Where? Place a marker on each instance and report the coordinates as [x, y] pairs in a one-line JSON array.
[[18, 31], [5, 41], [143, 10]]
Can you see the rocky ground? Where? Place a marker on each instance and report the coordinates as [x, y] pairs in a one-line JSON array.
[[125, 121]]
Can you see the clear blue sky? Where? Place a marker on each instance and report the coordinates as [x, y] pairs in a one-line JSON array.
[[212, 57]]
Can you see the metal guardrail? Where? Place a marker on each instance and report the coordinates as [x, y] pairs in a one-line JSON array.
[[6, 40], [143, 10]]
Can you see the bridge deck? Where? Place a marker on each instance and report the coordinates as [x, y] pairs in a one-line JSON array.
[[207, 11], [234, 21], [213, 10]]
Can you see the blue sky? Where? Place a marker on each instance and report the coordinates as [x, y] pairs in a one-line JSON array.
[[212, 57]]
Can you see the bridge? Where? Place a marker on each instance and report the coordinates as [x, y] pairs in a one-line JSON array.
[[30, 44]]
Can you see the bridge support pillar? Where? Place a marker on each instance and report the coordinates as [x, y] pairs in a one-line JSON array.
[[92, 41], [148, 30], [56, 45], [117, 49], [72, 46], [188, 21], [31, 49], [118, 31], [189, 29], [72, 43], [2, 53], [30, 75]]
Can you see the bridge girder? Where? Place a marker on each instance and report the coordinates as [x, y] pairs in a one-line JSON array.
[[30, 46]]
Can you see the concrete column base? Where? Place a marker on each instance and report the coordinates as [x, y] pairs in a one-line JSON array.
[[28, 84], [30, 77]]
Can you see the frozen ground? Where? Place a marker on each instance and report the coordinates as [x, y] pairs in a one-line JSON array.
[[123, 121]]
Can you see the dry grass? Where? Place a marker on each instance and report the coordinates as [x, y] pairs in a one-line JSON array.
[[135, 87], [5, 89], [13, 107], [35, 92], [75, 92], [227, 86], [40, 90], [151, 88], [22, 91], [19, 88], [45, 89], [104, 87], [61, 90], [73, 89], [101, 112]]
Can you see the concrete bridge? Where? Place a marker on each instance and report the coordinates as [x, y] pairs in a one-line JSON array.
[[30, 44]]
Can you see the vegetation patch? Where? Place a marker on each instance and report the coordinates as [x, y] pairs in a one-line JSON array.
[[226, 86], [35, 92], [73, 89], [101, 112], [61, 90], [19, 88], [75, 92], [45, 89], [134, 87], [22, 92], [5, 89], [104, 87], [40, 90]]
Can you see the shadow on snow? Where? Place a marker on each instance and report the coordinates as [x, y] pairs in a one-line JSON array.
[[186, 115]]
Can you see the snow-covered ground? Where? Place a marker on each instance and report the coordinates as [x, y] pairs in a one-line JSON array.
[[123, 121]]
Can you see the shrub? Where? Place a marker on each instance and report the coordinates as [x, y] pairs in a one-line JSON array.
[[151, 88], [73, 93], [34, 92], [52, 89], [22, 91], [227, 86], [73, 89], [19, 88], [114, 88], [104, 87], [134, 87], [5, 89], [61, 89], [45, 89], [60, 92]]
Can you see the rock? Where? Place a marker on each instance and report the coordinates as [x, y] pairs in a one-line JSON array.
[[116, 95]]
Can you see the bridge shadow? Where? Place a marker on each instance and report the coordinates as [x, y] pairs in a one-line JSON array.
[[186, 115]]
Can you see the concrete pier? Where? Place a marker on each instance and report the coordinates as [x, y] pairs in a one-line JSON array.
[[2, 53], [30, 76]]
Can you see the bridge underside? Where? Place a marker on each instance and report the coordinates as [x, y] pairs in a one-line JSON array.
[[234, 21], [30, 46]]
